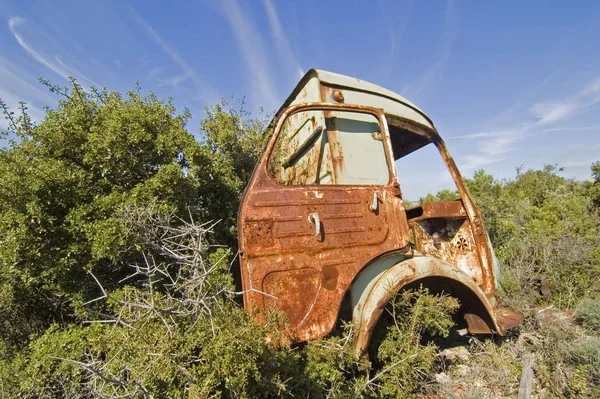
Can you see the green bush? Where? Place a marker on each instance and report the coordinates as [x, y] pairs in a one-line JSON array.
[[586, 352], [400, 350], [107, 181], [542, 226], [588, 313], [224, 355]]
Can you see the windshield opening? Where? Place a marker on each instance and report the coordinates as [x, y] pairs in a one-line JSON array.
[[422, 173]]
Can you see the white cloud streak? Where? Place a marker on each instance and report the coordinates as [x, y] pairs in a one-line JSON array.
[[14, 88], [57, 66], [493, 148], [207, 93], [580, 164], [572, 129], [396, 24], [437, 68], [584, 148], [493, 145], [250, 44], [281, 41], [552, 112], [175, 80]]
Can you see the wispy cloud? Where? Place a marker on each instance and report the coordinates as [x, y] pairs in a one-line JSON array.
[[281, 41], [155, 72], [14, 88], [584, 148], [396, 24], [571, 129], [394, 32], [436, 70], [57, 65], [472, 136], [524, 130], [251, 46], [548, 113], [175, 80], [207, 93], [556, 111], [492, 146], [580, 164]]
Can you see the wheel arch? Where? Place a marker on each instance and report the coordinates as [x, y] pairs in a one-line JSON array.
[[380, 281]]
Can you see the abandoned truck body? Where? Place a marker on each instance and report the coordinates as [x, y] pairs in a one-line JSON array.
[[322, 222]]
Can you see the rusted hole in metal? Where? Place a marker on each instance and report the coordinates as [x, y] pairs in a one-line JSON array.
[[330, 276]]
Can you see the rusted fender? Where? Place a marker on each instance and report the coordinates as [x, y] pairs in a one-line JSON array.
[[371, 293]]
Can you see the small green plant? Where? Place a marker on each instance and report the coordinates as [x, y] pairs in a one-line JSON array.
[[586, 352], [403, 362], [589, 314]]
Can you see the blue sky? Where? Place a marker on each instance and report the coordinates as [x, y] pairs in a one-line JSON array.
[[507, 83]]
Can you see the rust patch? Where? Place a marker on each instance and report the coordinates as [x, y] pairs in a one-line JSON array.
[[309, 273], [476, 324], [508, 318], [441, 229], [292, 292], [440, 209], [330, 277]]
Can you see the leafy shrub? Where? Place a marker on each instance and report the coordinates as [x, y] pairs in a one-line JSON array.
[[586, 352], [588, 313], [542, 226], [65, 179], [404, 361]]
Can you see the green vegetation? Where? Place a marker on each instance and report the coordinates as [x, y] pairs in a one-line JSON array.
[[589, 313], [117, 235], [542, 226], [413, 314]]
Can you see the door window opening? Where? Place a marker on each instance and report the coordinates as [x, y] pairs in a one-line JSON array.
[[330, 147]]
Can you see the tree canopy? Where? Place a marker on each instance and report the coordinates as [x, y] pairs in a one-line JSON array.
[[66, 180]]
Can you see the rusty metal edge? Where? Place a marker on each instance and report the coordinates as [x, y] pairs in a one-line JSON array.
[[393, 279], [318, 73], [377, 112]]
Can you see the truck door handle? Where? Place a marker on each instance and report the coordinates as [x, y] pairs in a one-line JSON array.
[[314, 218], [375, 203]]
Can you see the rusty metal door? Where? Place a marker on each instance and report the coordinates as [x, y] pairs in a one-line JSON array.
[[311, 222]]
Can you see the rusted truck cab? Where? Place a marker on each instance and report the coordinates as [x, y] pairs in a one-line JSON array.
[[323, 221]]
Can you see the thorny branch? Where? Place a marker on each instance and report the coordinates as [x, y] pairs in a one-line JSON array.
[[101, 381], [386, 370], [174, 281], [175, 274]]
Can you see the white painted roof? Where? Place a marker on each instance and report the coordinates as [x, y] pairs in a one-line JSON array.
[[363, 93]]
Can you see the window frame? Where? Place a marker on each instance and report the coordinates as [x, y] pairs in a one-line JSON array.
[[320, 106]]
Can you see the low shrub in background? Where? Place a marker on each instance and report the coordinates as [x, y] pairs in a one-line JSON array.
[[588, 312]]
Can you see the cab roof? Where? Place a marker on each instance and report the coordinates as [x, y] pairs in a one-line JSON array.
[[309, 87]]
